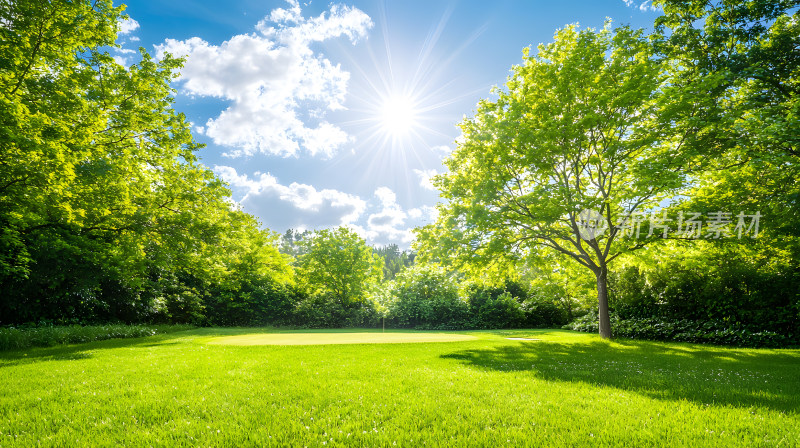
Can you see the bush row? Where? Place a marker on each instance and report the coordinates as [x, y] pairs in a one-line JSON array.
[[420, 297], [684, 330], [427, 298], [47, 336], [756, 293]]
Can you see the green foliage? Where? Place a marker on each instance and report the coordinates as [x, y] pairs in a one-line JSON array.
[[717, 332], [703, 112], [107, 215], [105, 212], [338, 263], [394, 260], [720, 294], [582, 125], [544, 312], [496, 307], [337, 270], [555, 280], [251, 302], [257, 285], [46, 336], [425, 297], [757, 290], [290, 242], [327, 311], [739, 60]]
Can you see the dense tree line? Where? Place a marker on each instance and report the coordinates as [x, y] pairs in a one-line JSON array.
[[394, 259], [107, 215], [689, 132]]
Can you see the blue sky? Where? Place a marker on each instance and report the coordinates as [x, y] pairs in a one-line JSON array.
[[325, 114]]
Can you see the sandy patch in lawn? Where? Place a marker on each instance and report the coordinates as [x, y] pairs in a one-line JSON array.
[[338, 338]]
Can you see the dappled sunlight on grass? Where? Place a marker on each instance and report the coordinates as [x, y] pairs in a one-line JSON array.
[[706, 375]]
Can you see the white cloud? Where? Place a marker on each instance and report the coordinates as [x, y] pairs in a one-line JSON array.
[[425, 178], [643, 6], [122, 56], [444, 149], [388, 225], [271, 77], [291, 15], [298, 206], [340, 20], [386, 196], [127, 26], [425, 213]]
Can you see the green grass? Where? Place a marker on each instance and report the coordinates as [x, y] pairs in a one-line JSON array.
[[566, 389]]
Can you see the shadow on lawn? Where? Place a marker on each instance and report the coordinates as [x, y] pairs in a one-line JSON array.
[[705, 375], [79, 351]]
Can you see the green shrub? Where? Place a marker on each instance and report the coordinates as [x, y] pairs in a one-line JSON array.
[[47, 336], [250, 302], [327, 311], [723, 286], [542, 313], [426, 297], [495, 308], [684, 330]]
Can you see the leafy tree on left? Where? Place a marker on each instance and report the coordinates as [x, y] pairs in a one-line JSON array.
[[105, 211]]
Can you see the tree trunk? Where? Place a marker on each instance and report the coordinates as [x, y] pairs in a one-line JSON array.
[[602, 303]]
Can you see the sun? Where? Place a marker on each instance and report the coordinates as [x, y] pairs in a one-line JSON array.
[[398, 115]]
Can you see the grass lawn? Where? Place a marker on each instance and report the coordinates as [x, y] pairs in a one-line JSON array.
[[224, 387]]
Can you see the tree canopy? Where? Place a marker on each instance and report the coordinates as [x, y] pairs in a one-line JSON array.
[[582, 126], [339, 262], [106, 212]]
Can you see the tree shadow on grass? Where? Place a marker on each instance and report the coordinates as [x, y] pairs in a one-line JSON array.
[[705, 375], [79, 351]]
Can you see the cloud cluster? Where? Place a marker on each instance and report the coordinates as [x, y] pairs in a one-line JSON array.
[[293, 206], [425, 178], [127, 26], [271, 78], [643, 6], [389, 223], [381, 220]]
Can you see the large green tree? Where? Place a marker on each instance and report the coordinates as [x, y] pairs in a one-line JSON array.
[[338, 262], [105, 209], [582, 125]]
